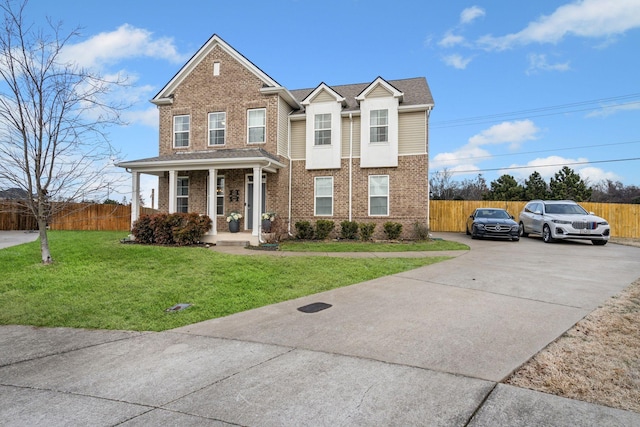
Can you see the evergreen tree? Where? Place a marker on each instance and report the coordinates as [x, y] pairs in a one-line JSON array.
[[567, 185], [505, 188], [535, 187]]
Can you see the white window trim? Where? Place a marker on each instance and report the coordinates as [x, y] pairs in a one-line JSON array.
[[179, 196], [188, 132], [315, 196], [224, 128], [316, 130], [380, 195], [252, 127], [371, 126]]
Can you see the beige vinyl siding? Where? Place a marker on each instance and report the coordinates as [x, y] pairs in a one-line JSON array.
[[323, 96], [298, 143], [379, 92], [283, 127], [346, 128], [412, 133]]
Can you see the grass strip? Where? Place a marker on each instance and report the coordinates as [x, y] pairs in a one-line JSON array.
[[348, 246]]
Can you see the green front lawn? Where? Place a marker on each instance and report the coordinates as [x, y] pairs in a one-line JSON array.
[[98, 282]]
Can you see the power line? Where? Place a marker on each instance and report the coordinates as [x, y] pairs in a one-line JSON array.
[[539, 166], [489, 156], [547, 111]]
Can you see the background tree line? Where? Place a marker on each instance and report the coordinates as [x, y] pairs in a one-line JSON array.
[[566, 184]]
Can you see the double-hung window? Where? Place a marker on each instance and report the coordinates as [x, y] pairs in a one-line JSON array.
[[217, 124], [181, 125], [379, 126], [323, 196], [322, 129], [182, 202], [378, 195], [256, 129]]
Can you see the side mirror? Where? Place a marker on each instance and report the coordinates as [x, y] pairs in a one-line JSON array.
[[538, 212], [512, 217]]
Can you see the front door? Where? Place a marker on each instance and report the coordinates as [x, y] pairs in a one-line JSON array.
[[248, 200]]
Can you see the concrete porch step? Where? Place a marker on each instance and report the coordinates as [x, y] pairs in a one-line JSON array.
[[232, 243]]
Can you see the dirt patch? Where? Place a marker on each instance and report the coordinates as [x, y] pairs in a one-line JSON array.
[[597, 361]]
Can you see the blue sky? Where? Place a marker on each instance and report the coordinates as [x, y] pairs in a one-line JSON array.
[[516, 84]]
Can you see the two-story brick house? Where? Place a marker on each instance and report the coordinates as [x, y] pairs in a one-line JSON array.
[[352, 152]]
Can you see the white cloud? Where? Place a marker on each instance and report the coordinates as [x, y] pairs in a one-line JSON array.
[[148, 117], [457, 61], [538, 62], [514, 133], [450, 40], [125, 42], [583, 18], [470, 14], [466, 157]]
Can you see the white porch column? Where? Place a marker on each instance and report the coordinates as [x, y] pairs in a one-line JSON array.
[[135, 197], [173, 190], [257, 200], [213, 198]]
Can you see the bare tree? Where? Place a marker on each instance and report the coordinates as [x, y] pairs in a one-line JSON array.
[[53, 116], [442, 186]]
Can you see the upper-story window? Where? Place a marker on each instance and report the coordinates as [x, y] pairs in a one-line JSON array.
[[322, 129], [379, 126], [217, 124], [181, 125], [257, 125]]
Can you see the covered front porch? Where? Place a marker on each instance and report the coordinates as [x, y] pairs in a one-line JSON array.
[[215, 183]]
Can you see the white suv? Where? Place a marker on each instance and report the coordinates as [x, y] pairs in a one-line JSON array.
[[562, 219]]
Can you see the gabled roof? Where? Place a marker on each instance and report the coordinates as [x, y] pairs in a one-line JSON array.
[[380, 82], [320, 88], [416, 93], [270, 85]]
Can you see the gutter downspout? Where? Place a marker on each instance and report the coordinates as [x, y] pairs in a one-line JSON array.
[[428, 114], [350, 165], [290, 175]]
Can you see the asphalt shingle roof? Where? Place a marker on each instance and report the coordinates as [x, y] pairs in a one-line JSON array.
[[416, 92]]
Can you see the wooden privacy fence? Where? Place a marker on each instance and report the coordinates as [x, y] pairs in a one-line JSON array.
[[73, 216], [451, 215], [13, 216]]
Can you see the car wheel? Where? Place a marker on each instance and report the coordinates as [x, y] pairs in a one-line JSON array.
[[467, 230], [516, 239], [521, 231], [599, 242], [546, 234]]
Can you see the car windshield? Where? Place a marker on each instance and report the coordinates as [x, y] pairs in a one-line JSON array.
[[565, 209], [492, 213]]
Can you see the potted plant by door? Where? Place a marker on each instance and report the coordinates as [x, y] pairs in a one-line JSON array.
[[267, 217], [234, 222]]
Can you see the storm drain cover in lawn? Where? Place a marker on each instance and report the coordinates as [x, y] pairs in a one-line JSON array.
[[314, 308], [177, 307]]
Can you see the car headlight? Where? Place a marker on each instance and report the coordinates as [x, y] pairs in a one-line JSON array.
[[480, 226], [603, 223], [560, 221], [515, 227]]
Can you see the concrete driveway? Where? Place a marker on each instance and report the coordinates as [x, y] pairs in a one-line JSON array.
[[12, 238], [424, 347]]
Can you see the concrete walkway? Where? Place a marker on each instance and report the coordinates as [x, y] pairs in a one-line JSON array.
[[424, 347]]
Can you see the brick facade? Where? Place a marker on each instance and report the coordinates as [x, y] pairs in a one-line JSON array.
[[239, 87]]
